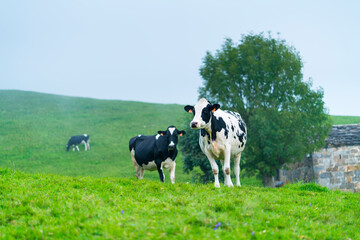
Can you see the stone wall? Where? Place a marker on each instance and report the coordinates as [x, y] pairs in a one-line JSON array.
[[337, 166]]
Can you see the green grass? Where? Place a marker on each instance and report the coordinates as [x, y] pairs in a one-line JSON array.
[[46, 192], [35, 128], [338, 120], [43, 206]]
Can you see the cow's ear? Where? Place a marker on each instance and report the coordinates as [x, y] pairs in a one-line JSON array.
[[214, 107], [189, 109], [181, 133], [162, 133]]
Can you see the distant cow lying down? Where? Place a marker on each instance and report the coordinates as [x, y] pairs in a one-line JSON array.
[[74, 141], [155, 152]]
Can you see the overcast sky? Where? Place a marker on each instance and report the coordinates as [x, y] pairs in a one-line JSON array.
[[151, 50]]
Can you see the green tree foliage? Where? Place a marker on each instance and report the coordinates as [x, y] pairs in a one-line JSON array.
[[261, 78]]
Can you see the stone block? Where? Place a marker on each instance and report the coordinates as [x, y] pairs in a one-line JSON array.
[[353, 168], [348, 174], [332, 169], [317, 155], [335, 180], [338, 174], [325, 175], [348, 180], [356, 179], [354, 150], [347, 186], [318, 161], [319, 169], [352, 161], [357, 173]]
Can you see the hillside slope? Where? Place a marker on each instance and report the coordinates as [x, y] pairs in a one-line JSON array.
[[41, 206], [35, 128]]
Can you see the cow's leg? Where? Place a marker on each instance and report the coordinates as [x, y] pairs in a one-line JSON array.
[[73, 149], [85, 144], [77, 147], [215, 169], [136, 166], [142, 171], [172, 172], [237, 169], [160, 171], [226, 167], [223, 169], [88, 144]]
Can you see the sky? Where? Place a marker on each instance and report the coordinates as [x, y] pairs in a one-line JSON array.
[[151, 51]]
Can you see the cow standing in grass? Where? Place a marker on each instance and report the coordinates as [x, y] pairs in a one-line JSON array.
[[223, 135], [155, 152], [74, 141]]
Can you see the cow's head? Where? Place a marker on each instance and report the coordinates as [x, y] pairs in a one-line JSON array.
[[67, 147], [202, 113], [171, 135]]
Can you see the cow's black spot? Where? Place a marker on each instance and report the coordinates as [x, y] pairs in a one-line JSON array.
[[216, 126], [242, 144], [232, 127], [203, 132], [242, 126], [240, 136], [206, 114]]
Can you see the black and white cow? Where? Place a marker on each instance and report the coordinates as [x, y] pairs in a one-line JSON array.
[[155, 152], [223, 135], [74, 141]]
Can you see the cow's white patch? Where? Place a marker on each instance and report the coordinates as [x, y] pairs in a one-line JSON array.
[[198, 111], [171, 144], [171, 130], [150, 166], [85, 135], [139, 135], [157, 136], [167, 164]]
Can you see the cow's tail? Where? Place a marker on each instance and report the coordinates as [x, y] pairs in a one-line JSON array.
[[132, 143]]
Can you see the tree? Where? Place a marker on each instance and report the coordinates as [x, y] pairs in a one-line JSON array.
[[261, 78]]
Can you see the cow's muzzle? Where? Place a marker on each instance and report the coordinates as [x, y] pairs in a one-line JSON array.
[[194, 124]]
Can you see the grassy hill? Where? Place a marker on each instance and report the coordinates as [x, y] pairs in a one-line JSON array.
[[42, 206], [40, 202], [345, 119], [35, 128]]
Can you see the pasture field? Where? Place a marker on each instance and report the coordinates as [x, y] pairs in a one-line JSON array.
[[345, 119], [46, 192], [35, 128], [46, 206]]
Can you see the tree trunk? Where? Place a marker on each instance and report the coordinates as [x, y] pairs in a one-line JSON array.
[[268, 181]]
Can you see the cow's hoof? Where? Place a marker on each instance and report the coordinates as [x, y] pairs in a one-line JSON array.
[[217, 185], [238, 185], [230, 185]]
